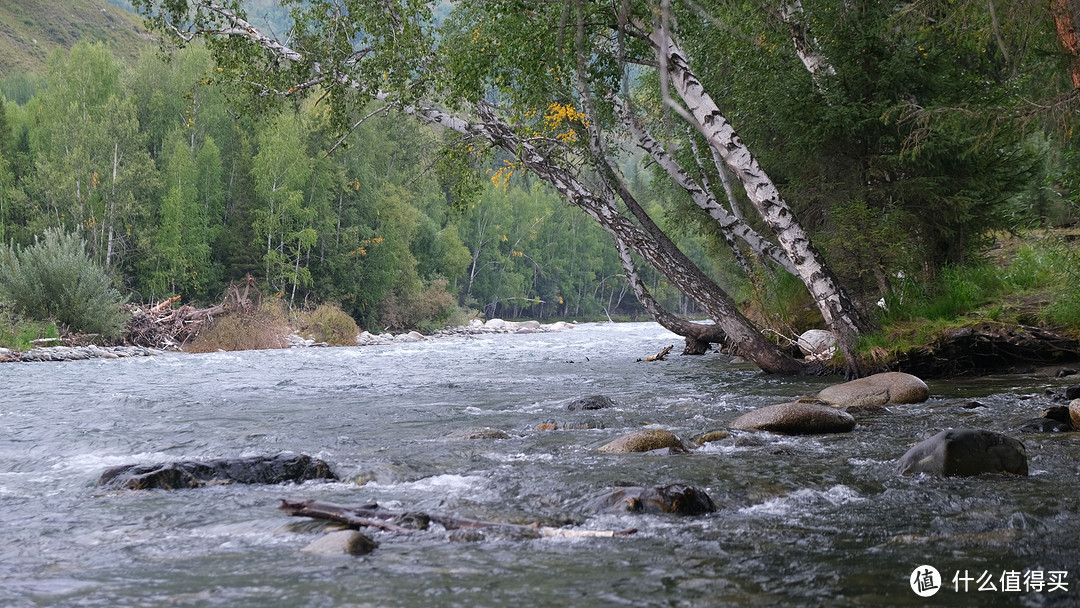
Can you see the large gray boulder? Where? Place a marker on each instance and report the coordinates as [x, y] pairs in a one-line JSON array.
[[281, 468], [817, 344], [677, 498], [645, 440], [879, 389], [965, 452], [796, 418]]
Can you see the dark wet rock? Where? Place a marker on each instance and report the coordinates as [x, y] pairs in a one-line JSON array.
[[342, 542], [478, 433], [711, 436], [1066, 371], [796, 419], [879, 389], [965, 452], [1057, 412], [1072, 392], [595, 402], [970, 405], [679, 499], [1044, 425], [645, 440], [196, 474], [865, 408]]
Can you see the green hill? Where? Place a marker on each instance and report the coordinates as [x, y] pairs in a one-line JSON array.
[[31, 29]]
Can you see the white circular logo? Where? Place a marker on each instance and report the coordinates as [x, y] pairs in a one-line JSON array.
[[925, 581]]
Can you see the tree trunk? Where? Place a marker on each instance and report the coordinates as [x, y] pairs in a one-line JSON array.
[[839, 312]]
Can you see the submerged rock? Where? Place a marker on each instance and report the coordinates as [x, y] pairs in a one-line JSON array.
[[595, 402], [965, 452], [196, 474], [677, 498], [645, 440], [711, 436], [477, 433], [879, 389], [342, 542], [798, 418], [1044, 425]]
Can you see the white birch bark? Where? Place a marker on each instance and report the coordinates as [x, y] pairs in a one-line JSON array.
[[836, 308]]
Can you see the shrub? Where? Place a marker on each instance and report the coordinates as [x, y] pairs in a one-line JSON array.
[[54, 279], [265, 327], [427, 310], [328, 323]]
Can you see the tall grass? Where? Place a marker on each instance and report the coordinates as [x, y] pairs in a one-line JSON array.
[[330, 324]]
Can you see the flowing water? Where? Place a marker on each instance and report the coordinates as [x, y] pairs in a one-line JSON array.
[[801, 521]]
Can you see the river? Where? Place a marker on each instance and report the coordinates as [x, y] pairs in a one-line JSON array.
[[801, 521]]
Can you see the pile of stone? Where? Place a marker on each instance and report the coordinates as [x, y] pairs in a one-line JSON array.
[[76, 353]]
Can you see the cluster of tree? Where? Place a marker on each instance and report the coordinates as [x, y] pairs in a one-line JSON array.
[[873, 139], [178, 190]]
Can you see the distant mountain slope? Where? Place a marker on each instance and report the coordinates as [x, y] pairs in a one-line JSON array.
[[31, 29]]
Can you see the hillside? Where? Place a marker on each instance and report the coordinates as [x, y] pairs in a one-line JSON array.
[[31, 29]]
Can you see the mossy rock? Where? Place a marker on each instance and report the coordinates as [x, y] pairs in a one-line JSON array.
[[645, 440], [711, 436]]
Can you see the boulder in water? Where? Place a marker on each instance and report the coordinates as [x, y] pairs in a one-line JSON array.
[[645, 440], [797, 418], [342, 542], [594, 402], [1074, 413], [879, 389], [1044, 425], [196, 474], [677, 498], [965, 452]]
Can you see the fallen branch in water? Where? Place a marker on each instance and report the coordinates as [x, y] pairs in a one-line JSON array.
[[370, 515], [660, 355]]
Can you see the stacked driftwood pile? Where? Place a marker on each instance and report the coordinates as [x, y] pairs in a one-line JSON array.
[[163, 326]]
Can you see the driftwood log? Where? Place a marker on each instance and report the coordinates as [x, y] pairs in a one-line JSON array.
[[371, 515], [660, 356]]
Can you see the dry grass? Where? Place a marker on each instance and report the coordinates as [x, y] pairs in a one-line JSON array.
[[266, 327]]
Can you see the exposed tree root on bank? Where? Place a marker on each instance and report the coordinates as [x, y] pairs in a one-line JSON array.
[[988, 348]]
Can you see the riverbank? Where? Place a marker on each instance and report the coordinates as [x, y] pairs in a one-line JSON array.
[[295, 340]]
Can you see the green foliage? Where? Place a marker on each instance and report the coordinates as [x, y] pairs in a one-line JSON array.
[[54, 279], [17, 332]]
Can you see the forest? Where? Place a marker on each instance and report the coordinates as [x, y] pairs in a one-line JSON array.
[[413, 163]]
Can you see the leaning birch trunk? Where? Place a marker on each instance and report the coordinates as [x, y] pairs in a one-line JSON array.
[[837, 309], [689, 279], [702, 197], [697, 336]]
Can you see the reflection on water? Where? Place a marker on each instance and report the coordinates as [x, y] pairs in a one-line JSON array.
[[801, 521]]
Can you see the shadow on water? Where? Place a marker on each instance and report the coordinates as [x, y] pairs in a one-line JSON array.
[[802, 520]]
